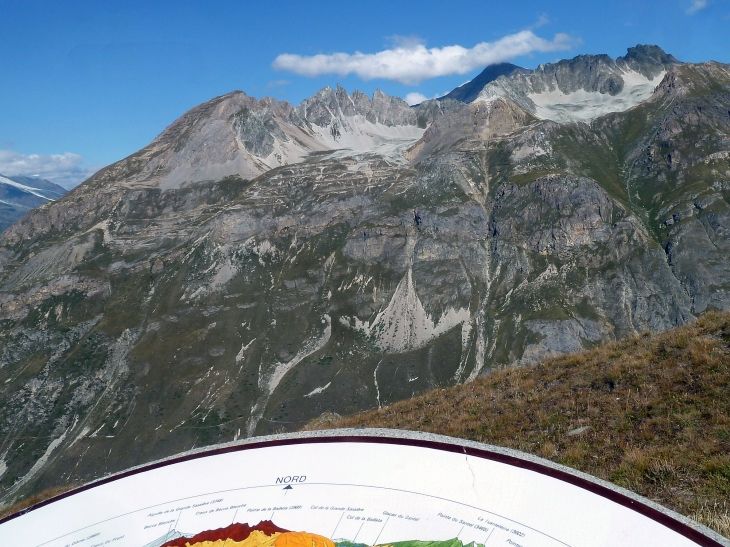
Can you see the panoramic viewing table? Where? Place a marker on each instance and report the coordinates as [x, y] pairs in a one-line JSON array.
[[348, 488]]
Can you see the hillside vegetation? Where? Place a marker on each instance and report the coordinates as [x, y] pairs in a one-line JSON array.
[[650, 413]]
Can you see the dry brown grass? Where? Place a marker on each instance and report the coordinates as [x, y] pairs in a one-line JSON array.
[[657, 407], [35, 498]]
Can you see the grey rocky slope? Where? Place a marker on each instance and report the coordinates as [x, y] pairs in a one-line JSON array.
[[144, 313], [20, 194], [585, 87]]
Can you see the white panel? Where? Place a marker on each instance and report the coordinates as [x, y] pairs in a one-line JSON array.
[[367, 493]]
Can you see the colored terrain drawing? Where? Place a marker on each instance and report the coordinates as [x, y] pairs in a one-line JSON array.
[[235, 532], [454, 542], [268, 534], [264, 534]]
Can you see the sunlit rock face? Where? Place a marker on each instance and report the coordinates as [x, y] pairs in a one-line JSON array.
[[259, 264]]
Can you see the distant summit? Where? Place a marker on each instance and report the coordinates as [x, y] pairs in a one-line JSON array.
[[469, 91], [20, 194], [577, 89]]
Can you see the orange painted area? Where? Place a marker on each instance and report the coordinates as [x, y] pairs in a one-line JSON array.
[[302, 539], [259, 539]]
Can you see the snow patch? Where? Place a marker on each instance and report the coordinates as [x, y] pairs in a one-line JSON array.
[[244, 347], [585, 106], [466, 328], [360, 280], [269, 381], [38, 465], [356, 135], [93, 435], [580, 105], [264, 249], [377, 387], [308, 348], [318, 390], [25, 188]]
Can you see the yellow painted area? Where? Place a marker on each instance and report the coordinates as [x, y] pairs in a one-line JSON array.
[[259, 539], [302, 539], [256, 539]]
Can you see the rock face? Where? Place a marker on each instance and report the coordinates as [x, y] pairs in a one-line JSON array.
[[19, 194], [586, 87], [168, 303]]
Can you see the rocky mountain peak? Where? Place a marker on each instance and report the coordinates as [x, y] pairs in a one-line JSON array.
[[236, 134], [592, 73], [470, 90], [390, 111], [648, 60], [322, 107], [347, 105], [586, 86], [328, 105], [686, 80]]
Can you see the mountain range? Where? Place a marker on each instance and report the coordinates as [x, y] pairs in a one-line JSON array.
[[19, 194], [259, 264]]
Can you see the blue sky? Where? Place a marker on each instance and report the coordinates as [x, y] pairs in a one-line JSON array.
[[86, 83]]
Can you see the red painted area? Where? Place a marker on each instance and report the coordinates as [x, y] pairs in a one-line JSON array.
[[235, 532]]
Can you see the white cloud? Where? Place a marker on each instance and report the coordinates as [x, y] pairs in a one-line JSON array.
[[415, 98], [66, 169], [398, 40], [277, 83], [696, 6], [542, 20], [411, 63]]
